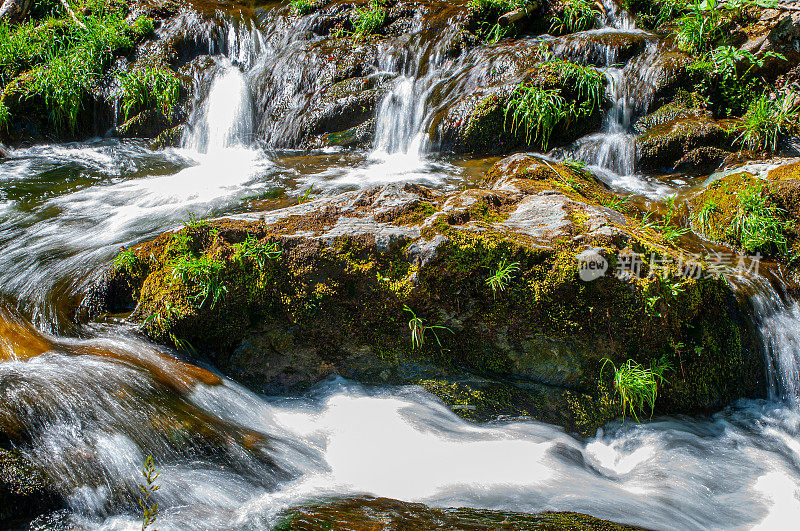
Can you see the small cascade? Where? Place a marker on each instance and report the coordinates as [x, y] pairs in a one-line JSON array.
[[225, 119], [400, 120], [629, 88], [778, 319]]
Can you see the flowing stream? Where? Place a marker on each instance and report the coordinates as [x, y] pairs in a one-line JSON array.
[[96, 399]]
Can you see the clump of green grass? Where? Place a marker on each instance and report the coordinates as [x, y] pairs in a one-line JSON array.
[[637, 386], [150, 487], [578, 15], [148, 87], [759, 226], [766, 121], [303, 7], [537, 111], [59, 60], [204, 275], [194, 222], [126, 260], [253, 250], [369, 20], [704, 217], [418, 329], [502, 276]]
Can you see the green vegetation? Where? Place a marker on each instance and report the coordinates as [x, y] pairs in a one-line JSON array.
[[502, 276], [303, 7], [255, 251], [57, 61], [578, 15], [703, 218], [666, 226], [484, 14], [150, 487], [146, 88], [203, 274], [758, 225], [369, 20], [766, 121], [727, 83], [637, 386], [305, 198], [538, 110], [126, 259], [418, 329]]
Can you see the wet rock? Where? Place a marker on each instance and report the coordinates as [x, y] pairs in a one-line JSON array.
[[366, 513], [24, 490], [664, 145], [478, 122], [338, 298], [702, 160]]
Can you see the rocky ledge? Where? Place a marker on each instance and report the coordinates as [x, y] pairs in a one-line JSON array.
[[474, 294], [369, 513]]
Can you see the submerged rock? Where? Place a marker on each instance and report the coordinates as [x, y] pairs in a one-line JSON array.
[[394, 284], [24, 490], [366, 513]]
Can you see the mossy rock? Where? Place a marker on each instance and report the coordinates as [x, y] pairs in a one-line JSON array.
[[24, 490], [478, 122], [366, 513], [715, 209], [339, 297], [665, 143]]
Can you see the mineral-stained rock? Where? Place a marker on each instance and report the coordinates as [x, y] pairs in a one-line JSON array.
[[393, 284]]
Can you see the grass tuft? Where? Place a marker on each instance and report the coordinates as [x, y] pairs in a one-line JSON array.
[[637, 386]]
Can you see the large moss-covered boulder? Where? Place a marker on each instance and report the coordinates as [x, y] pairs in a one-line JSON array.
[[366, 513], [404, 284]]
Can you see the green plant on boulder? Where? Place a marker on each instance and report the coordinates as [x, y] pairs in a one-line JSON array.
[[203, 274], [59, 60], [578, 15], [538, 110], [767, 120], [370, 19], [727, 83], [758, 225], [637, 386]]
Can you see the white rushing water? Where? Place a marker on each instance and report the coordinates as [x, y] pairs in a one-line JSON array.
[[737, 469], [105, 194]]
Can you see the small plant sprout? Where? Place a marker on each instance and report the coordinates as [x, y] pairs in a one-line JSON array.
[[637, 386], [305, 197], [418, 328], [149, 507], [502, 276]]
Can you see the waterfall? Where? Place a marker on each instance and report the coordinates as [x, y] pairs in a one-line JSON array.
[[778, 321], [225, 119], [400, 120]]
